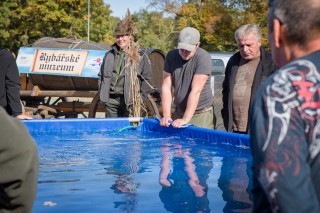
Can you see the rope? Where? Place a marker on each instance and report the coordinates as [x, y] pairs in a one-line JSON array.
[[72, 43], [126, 128]]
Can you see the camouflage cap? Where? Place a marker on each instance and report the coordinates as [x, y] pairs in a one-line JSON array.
[[121, 29]]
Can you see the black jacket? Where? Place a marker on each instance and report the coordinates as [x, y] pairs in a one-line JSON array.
[[9, 83], [265, 68], [285, 144]]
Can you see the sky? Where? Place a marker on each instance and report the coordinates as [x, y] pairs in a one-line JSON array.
[[119, 7]]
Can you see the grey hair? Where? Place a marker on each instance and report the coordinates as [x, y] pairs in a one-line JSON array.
[[244, 30], [300, 19]]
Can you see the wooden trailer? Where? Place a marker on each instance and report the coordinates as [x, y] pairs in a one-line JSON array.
[[51, 88]]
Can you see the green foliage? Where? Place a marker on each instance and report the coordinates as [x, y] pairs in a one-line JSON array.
[[9, 23], [257, 13], [154, 30], [101, 23], [29, 20], [217, 20], [214, 22], [25, 21]]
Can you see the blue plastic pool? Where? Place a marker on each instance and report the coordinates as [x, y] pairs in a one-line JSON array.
[[106, 165]]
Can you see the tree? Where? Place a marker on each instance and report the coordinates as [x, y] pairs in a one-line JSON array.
[[9, 24], [167, 6], [250, 12], [101, 22], [257, 13], [29, 20], [214, 22], [25, 21], [154, 30]]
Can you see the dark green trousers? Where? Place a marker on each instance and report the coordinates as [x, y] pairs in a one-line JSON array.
[[205, 119], [116, 107]]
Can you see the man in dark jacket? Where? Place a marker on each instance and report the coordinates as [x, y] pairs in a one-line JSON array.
[[245, 71], [125, 74], [10, 85], [285, 114]]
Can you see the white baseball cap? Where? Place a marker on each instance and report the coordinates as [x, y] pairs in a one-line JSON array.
[[189, 37]]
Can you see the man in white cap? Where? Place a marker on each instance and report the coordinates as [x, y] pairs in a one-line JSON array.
[[187, 69]]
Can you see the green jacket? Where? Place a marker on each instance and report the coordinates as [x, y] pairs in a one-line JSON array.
[[18, 166], [106, 76]]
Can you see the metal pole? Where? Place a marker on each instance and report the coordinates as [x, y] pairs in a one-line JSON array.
[[88, 20], [135, 119], [58, 93]]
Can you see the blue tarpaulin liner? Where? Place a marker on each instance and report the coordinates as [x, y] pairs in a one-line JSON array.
[[116, 124], [196, 132], [27, 56], [111, 165], [76, 124]]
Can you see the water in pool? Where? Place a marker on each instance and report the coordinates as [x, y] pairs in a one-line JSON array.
[[135, 171]]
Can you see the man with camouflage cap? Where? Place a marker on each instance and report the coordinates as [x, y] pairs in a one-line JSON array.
[[123, 66]]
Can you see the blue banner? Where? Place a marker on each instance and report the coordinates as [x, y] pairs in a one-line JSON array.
[[60, 61]]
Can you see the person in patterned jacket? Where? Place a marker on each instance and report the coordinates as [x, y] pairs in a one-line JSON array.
[[285, 116]]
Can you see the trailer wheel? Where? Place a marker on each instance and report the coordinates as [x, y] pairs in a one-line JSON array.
[[94, 106], [151, 106]]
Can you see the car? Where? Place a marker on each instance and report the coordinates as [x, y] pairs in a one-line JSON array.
[[219, 64]]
